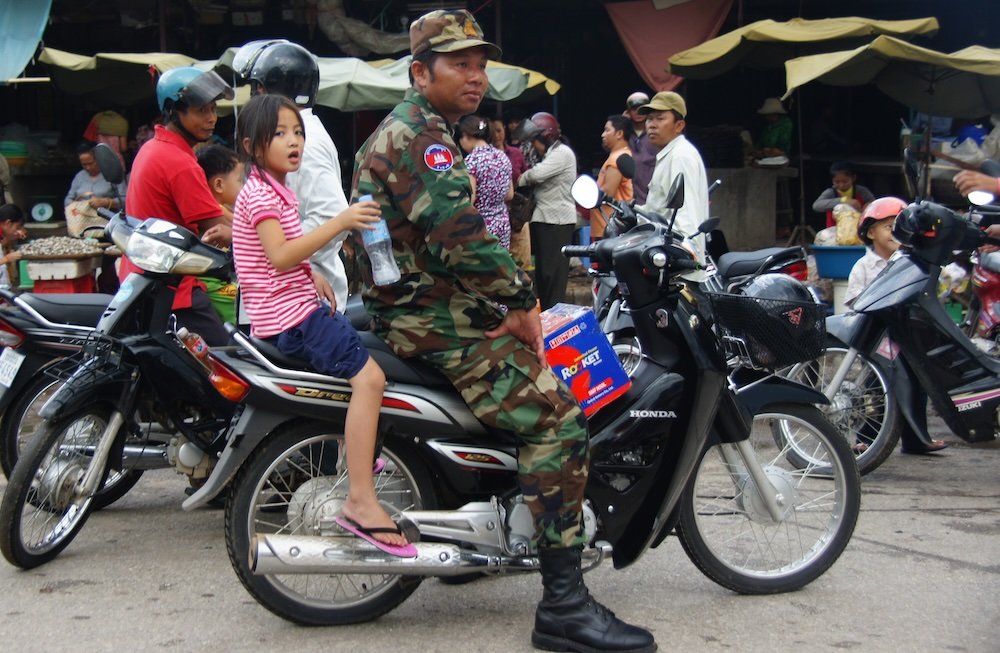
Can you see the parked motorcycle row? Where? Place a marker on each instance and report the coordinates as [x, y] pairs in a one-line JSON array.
[[711, 444]]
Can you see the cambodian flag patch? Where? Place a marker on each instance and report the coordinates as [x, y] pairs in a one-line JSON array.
[[439, 158]]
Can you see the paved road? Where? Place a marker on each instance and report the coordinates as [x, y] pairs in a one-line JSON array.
[[922, 573]]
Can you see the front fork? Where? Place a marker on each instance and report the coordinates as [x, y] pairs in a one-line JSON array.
[[743, 452], [90, 483]]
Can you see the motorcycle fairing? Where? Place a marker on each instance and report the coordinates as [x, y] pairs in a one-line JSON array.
[[898, 283]]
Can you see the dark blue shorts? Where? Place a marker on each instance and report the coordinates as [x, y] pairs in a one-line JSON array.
[[328, 342]]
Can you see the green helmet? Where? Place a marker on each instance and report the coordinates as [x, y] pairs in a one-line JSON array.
[[192, 86]]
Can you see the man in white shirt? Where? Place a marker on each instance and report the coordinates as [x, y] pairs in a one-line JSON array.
[[291, 70], [666, 117]]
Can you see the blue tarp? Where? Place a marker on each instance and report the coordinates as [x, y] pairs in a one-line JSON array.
[[21, 27]]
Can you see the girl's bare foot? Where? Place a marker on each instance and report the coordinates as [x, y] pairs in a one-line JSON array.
[[372, 515]]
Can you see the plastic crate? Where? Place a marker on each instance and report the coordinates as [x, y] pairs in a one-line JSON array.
[[85, 284], [61, 269], [836, 262]]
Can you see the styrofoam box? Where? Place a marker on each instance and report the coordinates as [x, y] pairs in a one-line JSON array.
[[61, 269]]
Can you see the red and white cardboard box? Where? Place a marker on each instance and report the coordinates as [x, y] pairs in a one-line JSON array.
[[580, 354]]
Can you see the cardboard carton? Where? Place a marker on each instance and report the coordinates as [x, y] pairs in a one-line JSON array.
[[580, 354]]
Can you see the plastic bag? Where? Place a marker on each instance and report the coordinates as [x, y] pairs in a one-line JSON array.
[[847, 218], [826, 237]]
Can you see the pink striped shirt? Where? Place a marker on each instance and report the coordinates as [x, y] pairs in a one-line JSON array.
[[275, 301]]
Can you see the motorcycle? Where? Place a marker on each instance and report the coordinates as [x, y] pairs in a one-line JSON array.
[[730, 273], [898, 342], [682, 451], [134, 398]]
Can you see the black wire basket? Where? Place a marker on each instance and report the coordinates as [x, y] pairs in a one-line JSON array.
[[105, 356], [769, 333]]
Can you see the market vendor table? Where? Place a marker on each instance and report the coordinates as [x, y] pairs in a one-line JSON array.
[[746, 203]]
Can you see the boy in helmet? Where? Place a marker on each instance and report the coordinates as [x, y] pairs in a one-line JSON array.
[[285, 68], [167, 182], [445, 311]]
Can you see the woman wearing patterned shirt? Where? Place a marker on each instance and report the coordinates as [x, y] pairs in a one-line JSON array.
[[490, 173]]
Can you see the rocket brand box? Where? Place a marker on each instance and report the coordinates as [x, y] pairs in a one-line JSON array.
[[580, 354]]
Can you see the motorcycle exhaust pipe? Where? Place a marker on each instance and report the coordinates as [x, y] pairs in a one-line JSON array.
[[311, 554]]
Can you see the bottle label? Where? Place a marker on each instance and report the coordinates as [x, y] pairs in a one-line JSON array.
[[377, 235]]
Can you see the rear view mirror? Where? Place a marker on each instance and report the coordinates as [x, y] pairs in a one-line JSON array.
[[626, 166], [109, 163], [675, 196], [586, 192]]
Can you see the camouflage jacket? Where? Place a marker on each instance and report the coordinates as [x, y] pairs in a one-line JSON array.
[[454, 272]]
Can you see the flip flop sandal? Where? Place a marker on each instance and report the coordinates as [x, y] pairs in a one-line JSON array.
[[368, 535]]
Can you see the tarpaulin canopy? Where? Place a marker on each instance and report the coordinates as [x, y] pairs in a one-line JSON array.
[[652, 32], [110, 78], [962, 84], [349, 84], [768, 43], [21, 27]]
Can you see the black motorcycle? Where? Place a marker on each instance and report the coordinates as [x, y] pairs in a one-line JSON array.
[[134, 398], [681, 452]]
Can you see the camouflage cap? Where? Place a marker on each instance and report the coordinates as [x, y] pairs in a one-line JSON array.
[[448, 31]]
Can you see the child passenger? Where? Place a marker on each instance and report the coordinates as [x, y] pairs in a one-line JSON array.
[[875, 230], [843, 191], [271, 256]]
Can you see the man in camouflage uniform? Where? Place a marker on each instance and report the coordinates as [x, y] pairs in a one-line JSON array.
[[445, 311]]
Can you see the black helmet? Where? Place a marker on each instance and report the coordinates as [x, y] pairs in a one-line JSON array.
[[779, 287], [280, 67], [785, 326]]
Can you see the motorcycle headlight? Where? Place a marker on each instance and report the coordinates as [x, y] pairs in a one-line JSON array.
[[157, 256]]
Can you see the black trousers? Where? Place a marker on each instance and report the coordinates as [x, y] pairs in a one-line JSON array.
[[551, 267]]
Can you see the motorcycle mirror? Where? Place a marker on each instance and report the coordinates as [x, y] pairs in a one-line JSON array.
[[586, 192], [626, 166], [911, 173], [710, 225], [981, 197], [109, 163], [675, 196]]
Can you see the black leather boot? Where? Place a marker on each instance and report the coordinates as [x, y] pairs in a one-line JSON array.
[[569, 619]]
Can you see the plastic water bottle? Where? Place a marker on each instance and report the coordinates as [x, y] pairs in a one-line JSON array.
[[378, 244], [195, 344]]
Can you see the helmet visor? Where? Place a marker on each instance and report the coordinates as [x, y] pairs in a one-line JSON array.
[[207, 87]]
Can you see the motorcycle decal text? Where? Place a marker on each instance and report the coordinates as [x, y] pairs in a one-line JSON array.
[[974, 400], [315, 393], [655, 414]]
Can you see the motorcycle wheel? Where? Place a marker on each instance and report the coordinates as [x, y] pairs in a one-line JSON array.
[[42, 509], [281, 489], [628, 350], [21, 422], [729, 534], [863, 410]]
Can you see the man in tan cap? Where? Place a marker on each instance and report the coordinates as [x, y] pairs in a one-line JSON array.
[[776, 138], [643, 151], [666, 119], [445, 310]]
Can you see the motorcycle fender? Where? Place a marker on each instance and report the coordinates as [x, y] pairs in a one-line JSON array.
[[83, 388], [844, 326], [775, 389], [241, 441]]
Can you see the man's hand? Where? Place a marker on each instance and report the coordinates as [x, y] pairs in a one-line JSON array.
[[221, 235], [993, 231], [324, 290], [526, 326], [967, 181]]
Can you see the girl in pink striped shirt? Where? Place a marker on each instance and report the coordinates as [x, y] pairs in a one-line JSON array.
[[271, 255]]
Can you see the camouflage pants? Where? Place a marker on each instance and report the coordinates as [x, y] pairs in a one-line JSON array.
[[505, 386]]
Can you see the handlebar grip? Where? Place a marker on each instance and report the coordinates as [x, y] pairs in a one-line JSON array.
[[581, 251], [686, 264], [106, 213]]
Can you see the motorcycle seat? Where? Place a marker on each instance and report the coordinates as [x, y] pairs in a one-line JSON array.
[[411, 371], [83, 309], [738, 264]]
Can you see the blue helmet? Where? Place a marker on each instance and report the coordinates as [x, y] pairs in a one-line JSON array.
[[192, 86]]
